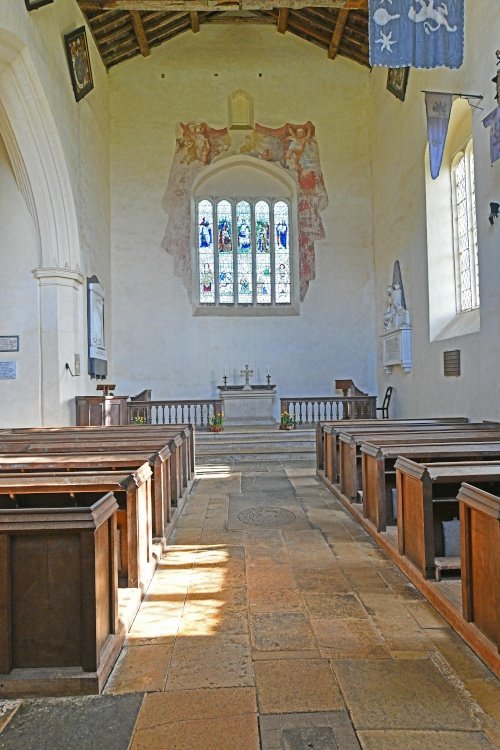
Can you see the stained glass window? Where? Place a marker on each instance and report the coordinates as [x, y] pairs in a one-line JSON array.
[[282, 252], [246, 260], [464, 201], [263, 253], [245, 255], [206, 252], [225, 254]]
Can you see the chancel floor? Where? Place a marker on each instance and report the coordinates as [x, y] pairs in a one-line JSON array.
[[274, 623]]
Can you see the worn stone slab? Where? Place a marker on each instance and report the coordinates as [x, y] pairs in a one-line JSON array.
[[283, 631], [349, 639], [275, 600], [140, 669], [296, 685], [228, 733], [183, 705], [401, 694], [209, 662], [335, 606], [262, 577], [330, 730], [326, 580], [86, 723], [412, 740], [487, 694]]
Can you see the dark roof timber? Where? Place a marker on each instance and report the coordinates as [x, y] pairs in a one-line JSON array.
[[126, 28]]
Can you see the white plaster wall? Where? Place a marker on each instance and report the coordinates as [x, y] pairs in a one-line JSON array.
[[19, 398], [157, 341], [83, 129], [399, 140]]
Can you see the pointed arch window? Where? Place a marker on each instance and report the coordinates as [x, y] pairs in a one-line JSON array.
[[465, 229], [244, 254]]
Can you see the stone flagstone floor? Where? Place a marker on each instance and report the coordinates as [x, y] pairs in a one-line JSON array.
[[274, 623]]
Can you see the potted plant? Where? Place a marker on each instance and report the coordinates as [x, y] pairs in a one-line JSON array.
[[287, 421], [138, 420], [216, 422]]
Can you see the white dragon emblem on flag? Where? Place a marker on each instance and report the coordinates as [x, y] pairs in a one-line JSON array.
[[429, 13]]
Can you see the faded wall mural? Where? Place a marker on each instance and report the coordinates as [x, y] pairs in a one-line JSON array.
[[290, 147]]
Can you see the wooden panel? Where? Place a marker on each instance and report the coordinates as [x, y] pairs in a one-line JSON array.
[[370, 482], [103, 562], [485, 575], [5, 608], [411, 522], [45, 580]]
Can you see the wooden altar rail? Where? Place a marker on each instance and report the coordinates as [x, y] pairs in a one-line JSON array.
[[329, 408], [189, 411]]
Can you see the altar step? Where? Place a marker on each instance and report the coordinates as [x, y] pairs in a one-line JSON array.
[[253, 445]]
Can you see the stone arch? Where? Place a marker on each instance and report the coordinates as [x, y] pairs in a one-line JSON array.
[[32, 140]]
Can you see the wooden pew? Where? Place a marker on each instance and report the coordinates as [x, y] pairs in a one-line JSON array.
[[427, 496], [58, 588], [327, 436], [62, 489], [81, 442], [159, 462], [350, 461], [480, 554], [137, 433], [379, 474]]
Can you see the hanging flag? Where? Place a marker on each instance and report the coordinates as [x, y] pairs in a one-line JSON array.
[[492, 121], [438, 108], [420, 33]]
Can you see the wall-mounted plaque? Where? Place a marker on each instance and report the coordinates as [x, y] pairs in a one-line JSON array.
[[9, 343], [98, 358], [8, 370]]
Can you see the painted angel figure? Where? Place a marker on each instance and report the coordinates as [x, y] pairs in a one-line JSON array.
[[299, 139], [195, 142]]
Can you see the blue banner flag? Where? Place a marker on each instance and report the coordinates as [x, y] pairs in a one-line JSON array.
[[420, 33], [492, 121], [438, 108]]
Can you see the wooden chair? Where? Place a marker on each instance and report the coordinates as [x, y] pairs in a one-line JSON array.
[[385, 403]]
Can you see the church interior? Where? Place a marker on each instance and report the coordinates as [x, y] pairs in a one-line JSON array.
[[249, 392]]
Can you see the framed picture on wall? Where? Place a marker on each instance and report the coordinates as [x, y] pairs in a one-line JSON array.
[[35, 4], [77, 53], [397, 81]]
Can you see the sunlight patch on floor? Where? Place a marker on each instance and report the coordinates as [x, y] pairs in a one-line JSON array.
[[213, 471]]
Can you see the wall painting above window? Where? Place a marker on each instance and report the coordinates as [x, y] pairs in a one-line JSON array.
[[245, 252]]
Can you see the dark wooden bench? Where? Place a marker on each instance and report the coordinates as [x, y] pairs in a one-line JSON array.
[[64, 489], [327, 436], [379, 473], [427, 497], [480, 553], [59, 627], [82, 441], [350, 460], [181, 437], [159, 462]]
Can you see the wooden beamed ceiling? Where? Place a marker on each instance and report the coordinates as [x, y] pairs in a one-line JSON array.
[[126, 28]]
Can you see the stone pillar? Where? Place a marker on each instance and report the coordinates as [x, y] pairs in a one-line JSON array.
[[60, 299]]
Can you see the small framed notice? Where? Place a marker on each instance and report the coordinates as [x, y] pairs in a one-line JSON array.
[[8, 370], [9, 343]]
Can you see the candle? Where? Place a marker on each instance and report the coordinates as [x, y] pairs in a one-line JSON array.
[[225, 371], [268, 370]]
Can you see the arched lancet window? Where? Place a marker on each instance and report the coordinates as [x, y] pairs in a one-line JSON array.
[[452, 238], [465, 229], [244, 252]]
